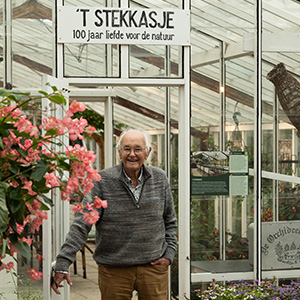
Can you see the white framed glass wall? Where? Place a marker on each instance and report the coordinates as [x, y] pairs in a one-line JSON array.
[[224, 248], [79, 65], [222, 54]]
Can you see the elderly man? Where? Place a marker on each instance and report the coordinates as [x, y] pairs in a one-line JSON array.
[[135, 238]]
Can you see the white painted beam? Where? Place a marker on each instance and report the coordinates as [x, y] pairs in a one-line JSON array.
[[271, 42]]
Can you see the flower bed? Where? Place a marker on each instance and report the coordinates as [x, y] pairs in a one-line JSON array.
[[250, 290]]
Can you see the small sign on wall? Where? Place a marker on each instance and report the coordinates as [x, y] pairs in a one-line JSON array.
[[280, 245], [219, 173], [238, 173], [123, 26]]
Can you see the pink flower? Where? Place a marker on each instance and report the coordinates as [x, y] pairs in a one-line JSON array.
[[36, 204], [11, 140], [20, 228], [13, 183], [90, 128], [51, 180], [100, 203], [75, 127], [6, 110], [27, 241], [76, 106], [34, 131], [77, 208], [91, 217], [16, 112], [7, 266], [35, 274], [27, 185], [53, 123], [40, 258], [23, 125]]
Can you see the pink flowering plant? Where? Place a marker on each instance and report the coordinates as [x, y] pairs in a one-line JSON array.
[[31, 167]]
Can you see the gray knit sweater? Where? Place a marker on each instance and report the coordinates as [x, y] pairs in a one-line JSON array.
[[129, 233]]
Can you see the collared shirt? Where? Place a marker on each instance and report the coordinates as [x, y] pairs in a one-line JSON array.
[[136, 190]]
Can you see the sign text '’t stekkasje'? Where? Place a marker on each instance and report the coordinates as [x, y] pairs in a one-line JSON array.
[[121, 18], [123, 26]]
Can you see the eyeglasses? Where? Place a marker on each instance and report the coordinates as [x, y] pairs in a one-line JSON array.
[[136, 150]]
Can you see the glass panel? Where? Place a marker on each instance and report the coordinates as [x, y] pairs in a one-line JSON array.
[[91, 60], [150, 61], [26, 288], [239, 93], [88, 60], [220, 223], [31, 42], [79, 3], [154, 4], [98, 3], [143, 107], [281, 75]]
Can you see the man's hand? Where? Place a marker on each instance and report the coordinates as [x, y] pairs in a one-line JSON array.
[[161, 261], [57, 279]]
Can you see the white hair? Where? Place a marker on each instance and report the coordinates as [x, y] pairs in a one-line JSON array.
[[146, 136]]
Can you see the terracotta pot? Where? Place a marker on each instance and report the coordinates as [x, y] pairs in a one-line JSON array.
[[288, 91]]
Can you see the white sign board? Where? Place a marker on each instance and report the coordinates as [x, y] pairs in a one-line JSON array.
[[280, 245], [123, 26]]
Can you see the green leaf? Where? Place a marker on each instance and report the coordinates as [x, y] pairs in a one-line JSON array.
[[44, 206], [80, 189], [24, 153], [7, 126], [14, 205], [20, 213], [54, 88], [58, 99], [41, 185], [47, 199], [39, 170], [14, 168], [15, 97], [24, 249], [16, 193], [3, 207], [89, 198], [13, 225], [3, 92], [64, 165], [51, 132], [4, 185], [4, 244], [43, 93]]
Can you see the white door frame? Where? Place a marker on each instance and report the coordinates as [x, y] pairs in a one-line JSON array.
[[184, 101]]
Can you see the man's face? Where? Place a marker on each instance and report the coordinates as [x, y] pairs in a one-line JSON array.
[[133, 151]]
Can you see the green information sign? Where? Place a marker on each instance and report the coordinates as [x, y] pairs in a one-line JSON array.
[[211, 185], [223, 173]]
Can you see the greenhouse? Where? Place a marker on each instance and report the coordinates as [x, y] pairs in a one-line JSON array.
[[215, 84]]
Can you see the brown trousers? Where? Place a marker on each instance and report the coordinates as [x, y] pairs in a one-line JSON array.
[[151, 282]]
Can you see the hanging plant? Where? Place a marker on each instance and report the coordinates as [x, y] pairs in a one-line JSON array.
[[30, 167]]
